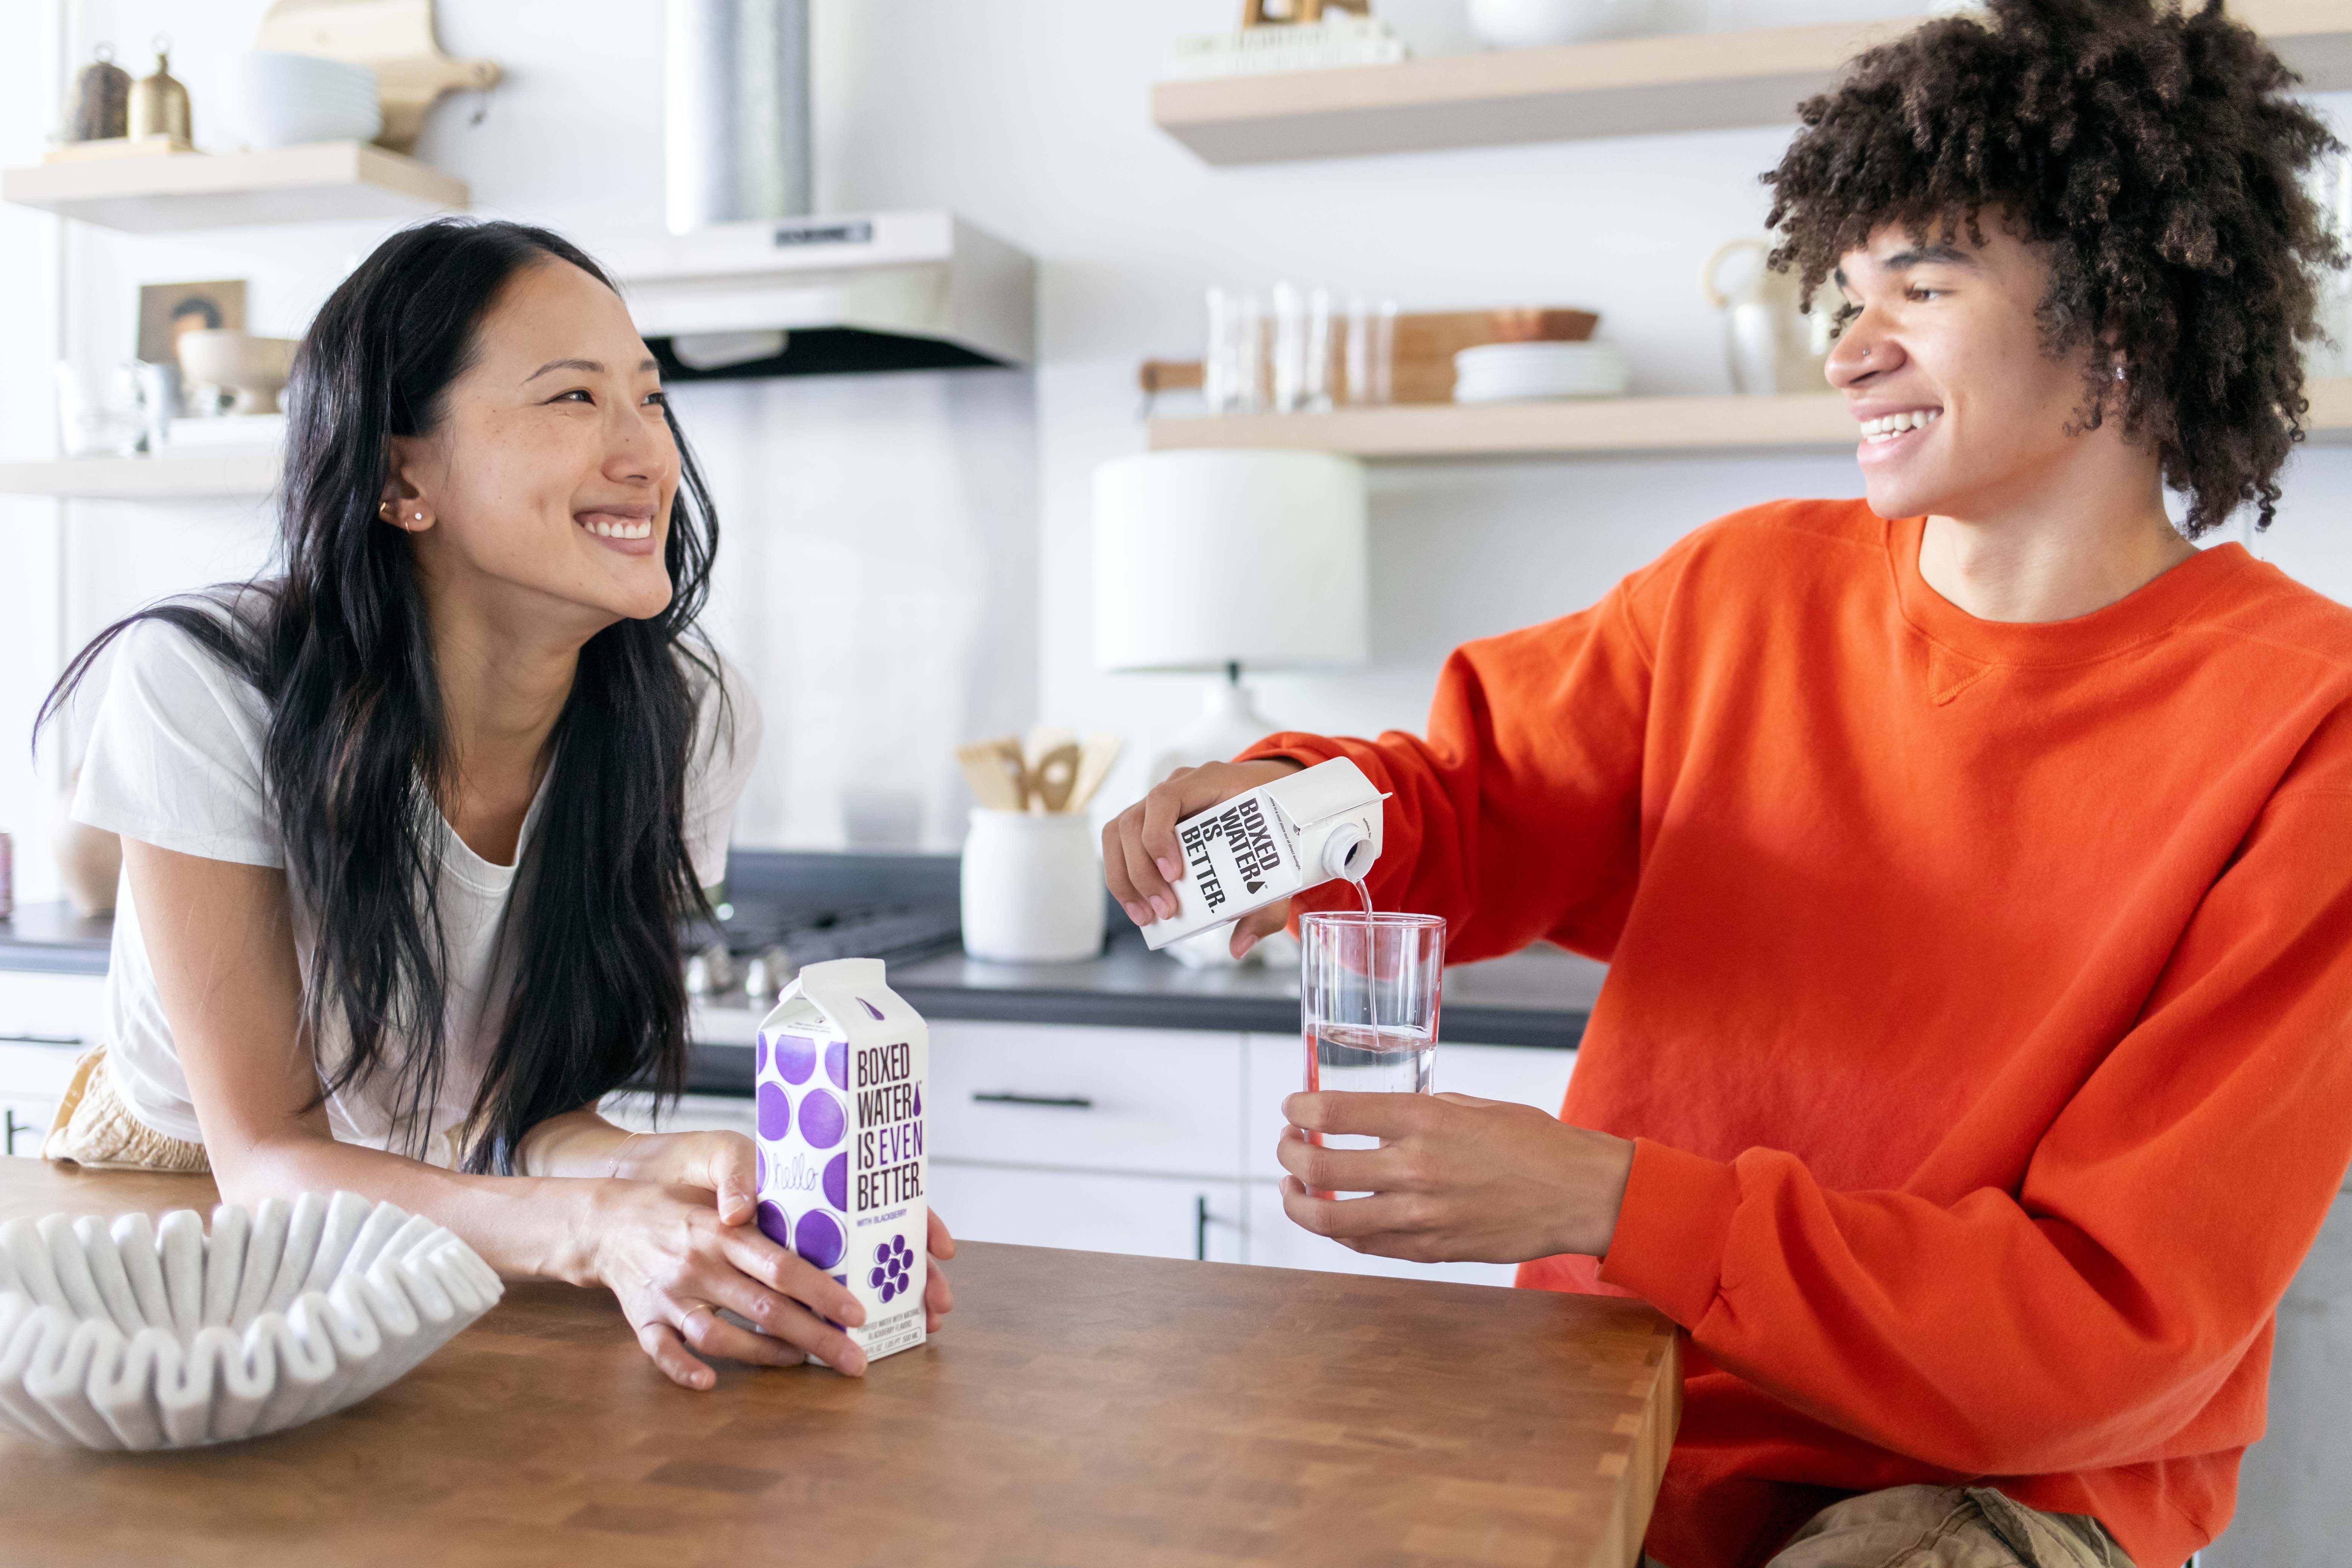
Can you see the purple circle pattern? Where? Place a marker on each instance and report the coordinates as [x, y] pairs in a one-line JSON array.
[[836, 1063], [836, 1181], [774, 1222], [760, 1155], [822, 1121], [775, 1112], [894, 1263], [820, 1238], [759, 1055], [795, 1057]]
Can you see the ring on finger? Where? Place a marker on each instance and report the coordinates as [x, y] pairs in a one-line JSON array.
[[685, 1320]]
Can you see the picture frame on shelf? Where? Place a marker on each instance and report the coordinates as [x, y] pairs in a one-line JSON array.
[[168, 310]]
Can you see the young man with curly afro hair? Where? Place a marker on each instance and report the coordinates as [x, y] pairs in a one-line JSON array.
[[1974, 864]]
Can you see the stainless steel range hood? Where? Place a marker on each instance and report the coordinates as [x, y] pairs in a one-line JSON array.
[[817, 296]]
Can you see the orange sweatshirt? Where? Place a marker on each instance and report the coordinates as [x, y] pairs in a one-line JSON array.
[[1978, 1001]]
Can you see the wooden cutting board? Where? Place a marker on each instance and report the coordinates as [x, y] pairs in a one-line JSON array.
[[1426, 342]]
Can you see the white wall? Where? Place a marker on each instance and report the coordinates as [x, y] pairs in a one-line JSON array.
[[907, 558]]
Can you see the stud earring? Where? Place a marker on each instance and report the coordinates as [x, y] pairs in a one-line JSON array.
[[2119, 373], [420, 516]]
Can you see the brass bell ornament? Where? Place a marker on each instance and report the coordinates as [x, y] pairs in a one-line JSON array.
[[159, 103]]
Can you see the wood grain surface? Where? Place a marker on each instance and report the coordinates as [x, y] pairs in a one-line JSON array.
[[1078, 1408]]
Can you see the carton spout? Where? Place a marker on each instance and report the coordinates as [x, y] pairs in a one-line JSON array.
[[1348, 853]]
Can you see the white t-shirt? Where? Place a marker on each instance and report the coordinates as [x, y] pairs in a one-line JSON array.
[[175, 760]]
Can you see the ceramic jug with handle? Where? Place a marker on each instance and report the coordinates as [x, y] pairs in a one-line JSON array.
[[1773, 345]]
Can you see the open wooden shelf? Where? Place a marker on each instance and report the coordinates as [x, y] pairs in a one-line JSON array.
[[196, 477], [1626, 87], [1613, 427], [157, 194]]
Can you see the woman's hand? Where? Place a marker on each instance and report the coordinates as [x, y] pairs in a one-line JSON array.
[[938, 1299], [675, 1265], [1140, 858], [726, 1165], [722, 1163], [1455, 1180]]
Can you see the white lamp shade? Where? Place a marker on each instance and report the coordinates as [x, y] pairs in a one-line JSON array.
[[1204, 558]]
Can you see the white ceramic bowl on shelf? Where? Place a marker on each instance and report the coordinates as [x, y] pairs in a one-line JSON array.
[[136, 1335], [289, 99], [1511, 372], [1538, 23]]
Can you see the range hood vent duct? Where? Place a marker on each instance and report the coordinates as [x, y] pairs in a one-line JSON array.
[[750, 285], [736, 111]]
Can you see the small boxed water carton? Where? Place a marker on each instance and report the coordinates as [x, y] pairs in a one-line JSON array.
[[839, 1076], [1280, 839]]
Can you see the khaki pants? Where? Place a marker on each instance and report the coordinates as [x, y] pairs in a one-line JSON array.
[[1945, 1527], [94, 1128]]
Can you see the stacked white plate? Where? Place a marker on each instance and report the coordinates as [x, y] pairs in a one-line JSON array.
[[293, 98], [136, 1335], [1512, 372]]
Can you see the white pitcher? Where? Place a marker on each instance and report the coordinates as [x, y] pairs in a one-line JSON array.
[[1773, 345]]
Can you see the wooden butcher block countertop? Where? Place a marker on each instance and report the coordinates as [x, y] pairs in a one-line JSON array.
[[1078, 1408]]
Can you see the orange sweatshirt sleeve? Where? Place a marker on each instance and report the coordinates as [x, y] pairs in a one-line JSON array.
[[2086, 1320], [1519, 818]]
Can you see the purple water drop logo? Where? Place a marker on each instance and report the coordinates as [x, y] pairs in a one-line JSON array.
[[836, 1181], [836, 1063], [774, 1222], [776, 1113], [820, 1238], [796, 1057], [894, 1268], [919, 1100], [822, 1121]]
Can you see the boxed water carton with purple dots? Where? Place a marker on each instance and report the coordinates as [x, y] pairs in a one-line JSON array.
[[840, 1065]]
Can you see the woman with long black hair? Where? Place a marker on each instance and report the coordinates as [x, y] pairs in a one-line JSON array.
[[408, 828]]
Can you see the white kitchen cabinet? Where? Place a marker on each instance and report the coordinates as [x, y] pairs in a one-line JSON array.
[[1531, 1074], [1163, 1102], [691, 1113], [60, 1010], [45, 1021], [1093, 1211]]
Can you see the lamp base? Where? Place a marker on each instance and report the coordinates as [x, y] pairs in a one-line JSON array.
[[1229, 723]]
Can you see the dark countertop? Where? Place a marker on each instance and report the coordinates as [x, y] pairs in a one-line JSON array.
[[1540, 998], [50, 939]]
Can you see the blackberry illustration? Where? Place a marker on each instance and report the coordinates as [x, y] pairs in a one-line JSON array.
[[893, 1270]]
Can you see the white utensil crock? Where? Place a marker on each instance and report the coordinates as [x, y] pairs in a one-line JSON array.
[[1033, 887]]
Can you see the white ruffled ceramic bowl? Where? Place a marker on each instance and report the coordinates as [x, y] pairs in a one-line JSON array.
[[137, 1335]]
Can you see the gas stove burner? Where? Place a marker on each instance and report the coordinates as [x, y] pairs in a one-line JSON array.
[[757, 949]]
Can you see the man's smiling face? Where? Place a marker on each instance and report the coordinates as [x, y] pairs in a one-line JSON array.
[[1963, 411]]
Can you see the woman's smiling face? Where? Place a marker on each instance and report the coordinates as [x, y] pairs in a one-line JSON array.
[[552, 469], [1963, 409]]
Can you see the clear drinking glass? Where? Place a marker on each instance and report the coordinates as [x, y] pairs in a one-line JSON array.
[[1368, 988]]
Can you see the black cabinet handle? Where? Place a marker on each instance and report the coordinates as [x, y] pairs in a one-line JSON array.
[[1060, 1101], [1201, 1229], [15, 1127], [40, 1039]]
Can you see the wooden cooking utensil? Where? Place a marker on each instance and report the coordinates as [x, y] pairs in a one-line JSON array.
[[1102, 750], [994, 773], [1054, 774]]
